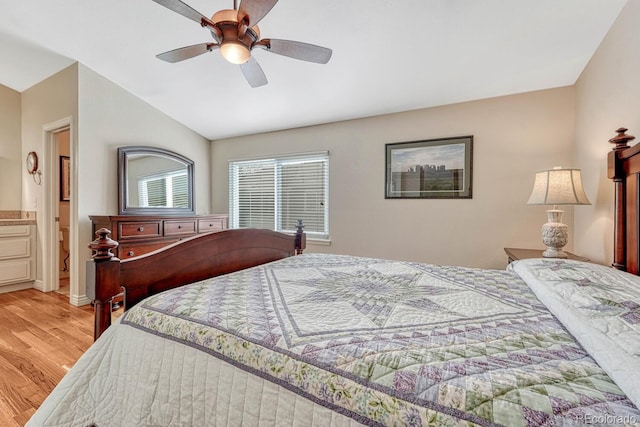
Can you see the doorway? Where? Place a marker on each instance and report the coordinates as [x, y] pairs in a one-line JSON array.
[[61, 142], [59, 219]]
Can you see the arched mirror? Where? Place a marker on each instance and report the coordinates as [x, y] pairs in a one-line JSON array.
[[154, 181]]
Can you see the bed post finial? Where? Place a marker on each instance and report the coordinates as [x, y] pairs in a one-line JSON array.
[[621, 139], [103, 245], [301, 238]]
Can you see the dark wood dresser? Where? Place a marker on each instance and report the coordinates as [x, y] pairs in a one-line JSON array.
[[141, 234]]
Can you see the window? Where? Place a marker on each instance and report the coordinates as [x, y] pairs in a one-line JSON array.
[[275, 193]]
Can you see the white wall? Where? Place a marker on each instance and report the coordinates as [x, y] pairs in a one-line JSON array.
[[104, 116], [514, 137], [11, 160], [47, 102], [607, 97], [110, 117]]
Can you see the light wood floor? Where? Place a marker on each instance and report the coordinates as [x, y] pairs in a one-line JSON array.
[[41, 337]]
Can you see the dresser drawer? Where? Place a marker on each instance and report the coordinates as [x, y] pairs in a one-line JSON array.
[[130, 250], [177, 228], [141, 234], [133, 230], [211, 224], [12, 248]]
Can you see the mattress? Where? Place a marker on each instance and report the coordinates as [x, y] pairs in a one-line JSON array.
[[339, 340]]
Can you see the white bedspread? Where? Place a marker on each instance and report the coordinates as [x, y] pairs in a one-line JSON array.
[[170, 392]]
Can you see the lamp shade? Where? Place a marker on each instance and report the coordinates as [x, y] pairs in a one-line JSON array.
[[558, 186]]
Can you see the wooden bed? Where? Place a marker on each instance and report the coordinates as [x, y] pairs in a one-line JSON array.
[[340, 340]]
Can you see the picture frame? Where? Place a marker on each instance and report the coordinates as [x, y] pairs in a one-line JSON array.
[[65, 178], [429, 169]]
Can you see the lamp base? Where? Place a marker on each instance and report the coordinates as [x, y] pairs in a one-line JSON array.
[[555, 235], [554, 253]]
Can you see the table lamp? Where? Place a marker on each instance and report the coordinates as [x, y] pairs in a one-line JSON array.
[[557, 186]]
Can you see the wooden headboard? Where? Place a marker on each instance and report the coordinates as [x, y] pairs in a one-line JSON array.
[[181, 263], [624, 169]]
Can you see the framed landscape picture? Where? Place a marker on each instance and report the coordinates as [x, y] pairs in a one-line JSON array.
[[430, 169]]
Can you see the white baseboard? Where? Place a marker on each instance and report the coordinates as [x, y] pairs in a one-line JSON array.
[[39, 285], [79, 300], [16, 287]]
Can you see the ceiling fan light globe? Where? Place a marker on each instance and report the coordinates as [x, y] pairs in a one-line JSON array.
[[235, 52]]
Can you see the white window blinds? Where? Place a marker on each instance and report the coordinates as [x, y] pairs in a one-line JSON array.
[[275, 193], [168, 189]]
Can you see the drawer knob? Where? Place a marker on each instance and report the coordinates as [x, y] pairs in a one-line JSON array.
[[131, 253], [140, 229], [179, 227]]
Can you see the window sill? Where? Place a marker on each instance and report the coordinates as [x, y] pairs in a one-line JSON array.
[[319, 242]]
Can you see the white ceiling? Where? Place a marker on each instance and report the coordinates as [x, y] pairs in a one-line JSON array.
[[388, 55]]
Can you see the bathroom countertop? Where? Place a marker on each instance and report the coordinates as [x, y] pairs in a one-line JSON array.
[[17, 218]]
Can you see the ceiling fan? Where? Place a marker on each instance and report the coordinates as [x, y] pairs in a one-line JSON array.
[[236, 34]]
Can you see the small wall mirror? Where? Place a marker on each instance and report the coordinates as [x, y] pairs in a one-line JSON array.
[[154, 181]]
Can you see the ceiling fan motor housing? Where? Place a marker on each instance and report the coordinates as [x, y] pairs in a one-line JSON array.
[[235, 47]]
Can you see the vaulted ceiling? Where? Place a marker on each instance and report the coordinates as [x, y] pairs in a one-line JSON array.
[[388, 56]]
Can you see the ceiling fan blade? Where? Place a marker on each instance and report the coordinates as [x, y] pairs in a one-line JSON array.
[[253, 73], [297, 50], [252, 11], [180, 54], [183, 9]]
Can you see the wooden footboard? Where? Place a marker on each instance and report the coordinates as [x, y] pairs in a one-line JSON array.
[[185, 262]]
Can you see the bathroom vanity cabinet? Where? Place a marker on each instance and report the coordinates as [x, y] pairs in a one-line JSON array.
[[17, 255]]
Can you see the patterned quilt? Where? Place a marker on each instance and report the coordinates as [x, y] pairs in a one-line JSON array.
[[599, 305], [394, 343]]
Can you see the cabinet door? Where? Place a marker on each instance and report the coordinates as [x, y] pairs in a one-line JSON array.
[[17, 249], [15, 271], [12, 248], [14, 230]]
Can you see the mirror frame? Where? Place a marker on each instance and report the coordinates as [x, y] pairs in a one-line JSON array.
[[124, 208]]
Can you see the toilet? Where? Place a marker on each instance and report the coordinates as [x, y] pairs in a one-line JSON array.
[[64, 247]]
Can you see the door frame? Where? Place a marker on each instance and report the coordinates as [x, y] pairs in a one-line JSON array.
[[51, 227]]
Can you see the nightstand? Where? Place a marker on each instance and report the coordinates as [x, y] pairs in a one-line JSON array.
[[516, 254]]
